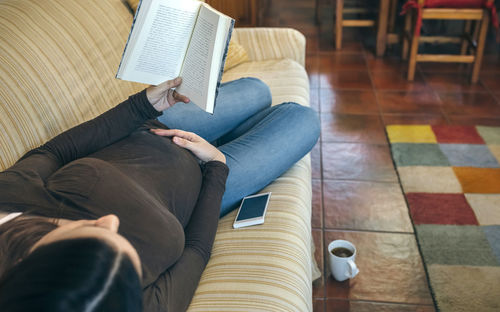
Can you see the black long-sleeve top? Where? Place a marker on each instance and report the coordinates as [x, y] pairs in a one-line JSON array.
[[167, 204]]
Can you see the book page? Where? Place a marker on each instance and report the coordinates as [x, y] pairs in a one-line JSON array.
[[197, 64], [158, 52]]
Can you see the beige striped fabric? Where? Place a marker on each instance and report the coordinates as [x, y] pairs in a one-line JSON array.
[[134, 3], [268, 267], [58, 59], [272, 43]]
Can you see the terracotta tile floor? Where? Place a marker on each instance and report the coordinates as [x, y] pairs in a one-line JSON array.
[[356, 191]]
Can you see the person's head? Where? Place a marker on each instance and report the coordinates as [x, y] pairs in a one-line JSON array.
[[79, 266]]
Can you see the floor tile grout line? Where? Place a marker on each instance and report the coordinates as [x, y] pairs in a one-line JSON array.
[[436, 92], [357, 180], [375, 93], [406, 90], [381, 301], [356, 142], [322, 241], [492, 94], [367, 231]]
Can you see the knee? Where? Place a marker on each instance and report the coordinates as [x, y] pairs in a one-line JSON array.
[[305, 120], [258, 88]]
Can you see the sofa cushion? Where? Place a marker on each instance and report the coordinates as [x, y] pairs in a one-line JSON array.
[[286, 78], [266, 267], [236, 55], [58, 60]]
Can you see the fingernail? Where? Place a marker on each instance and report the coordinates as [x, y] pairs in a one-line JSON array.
[[178, 79]]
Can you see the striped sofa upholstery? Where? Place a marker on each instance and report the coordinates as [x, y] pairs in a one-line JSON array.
[[58, 59]]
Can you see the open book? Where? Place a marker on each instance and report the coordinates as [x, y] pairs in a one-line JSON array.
[[171, 38]]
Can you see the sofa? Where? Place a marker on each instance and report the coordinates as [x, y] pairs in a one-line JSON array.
[[58, 60]]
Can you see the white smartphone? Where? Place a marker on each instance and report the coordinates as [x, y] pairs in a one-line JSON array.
[[252, 210]]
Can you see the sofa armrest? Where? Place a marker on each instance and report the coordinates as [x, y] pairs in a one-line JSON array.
[[272, 43]]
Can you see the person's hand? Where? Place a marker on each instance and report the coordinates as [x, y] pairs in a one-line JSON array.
[[193, 142], [163, 96]]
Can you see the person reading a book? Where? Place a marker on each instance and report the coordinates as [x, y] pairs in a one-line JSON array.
[[126, 203]]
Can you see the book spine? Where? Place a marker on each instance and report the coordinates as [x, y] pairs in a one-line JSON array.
[[221, 72], [128, 39]]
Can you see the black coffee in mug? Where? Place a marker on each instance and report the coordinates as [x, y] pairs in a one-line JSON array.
[[342, 252]]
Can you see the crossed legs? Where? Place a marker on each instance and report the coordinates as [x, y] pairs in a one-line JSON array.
[[260, 142]]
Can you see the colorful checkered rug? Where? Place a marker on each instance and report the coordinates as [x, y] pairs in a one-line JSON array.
[[451, 179]]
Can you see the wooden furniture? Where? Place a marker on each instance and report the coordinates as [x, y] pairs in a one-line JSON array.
[[245, 12], [473, 38], [384, 21]]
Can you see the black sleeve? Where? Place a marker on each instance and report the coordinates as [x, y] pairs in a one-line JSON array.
[[174, 289], [91, 136], [40, 163]]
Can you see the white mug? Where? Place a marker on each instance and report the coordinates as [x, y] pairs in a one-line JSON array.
[[342, 267]]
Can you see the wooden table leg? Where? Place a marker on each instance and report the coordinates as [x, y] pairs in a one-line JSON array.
[[383, 16]]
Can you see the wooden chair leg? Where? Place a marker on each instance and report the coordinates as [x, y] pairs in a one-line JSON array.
[[406, 35], [465, 42], [412, 63], [477, 25], [338, 24], [393, 11], [383, 17], [480, 47]]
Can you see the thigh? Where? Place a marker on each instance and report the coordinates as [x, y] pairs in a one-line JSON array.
[[236, 101], [282, 136]]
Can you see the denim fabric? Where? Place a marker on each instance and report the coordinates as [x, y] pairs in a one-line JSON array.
[[260, 142]]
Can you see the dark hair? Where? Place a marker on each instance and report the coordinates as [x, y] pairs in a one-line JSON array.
[[18, 236], [84, 274]]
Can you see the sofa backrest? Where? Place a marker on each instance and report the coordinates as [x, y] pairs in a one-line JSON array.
[[58, 60]]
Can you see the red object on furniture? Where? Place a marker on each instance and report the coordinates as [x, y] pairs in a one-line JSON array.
[[450, 4]]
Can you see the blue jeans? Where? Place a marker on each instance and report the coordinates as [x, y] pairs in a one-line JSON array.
[[260, 142]]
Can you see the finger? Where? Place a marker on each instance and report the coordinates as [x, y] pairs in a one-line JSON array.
[[163, 132], [181, 142], [180, 98], [170, 83], [170, 97], [176, 82], [175, 132]]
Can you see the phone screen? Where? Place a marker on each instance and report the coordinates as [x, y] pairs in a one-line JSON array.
[[253, 207]]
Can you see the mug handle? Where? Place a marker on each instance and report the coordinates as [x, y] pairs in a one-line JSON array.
[[352, 269]]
